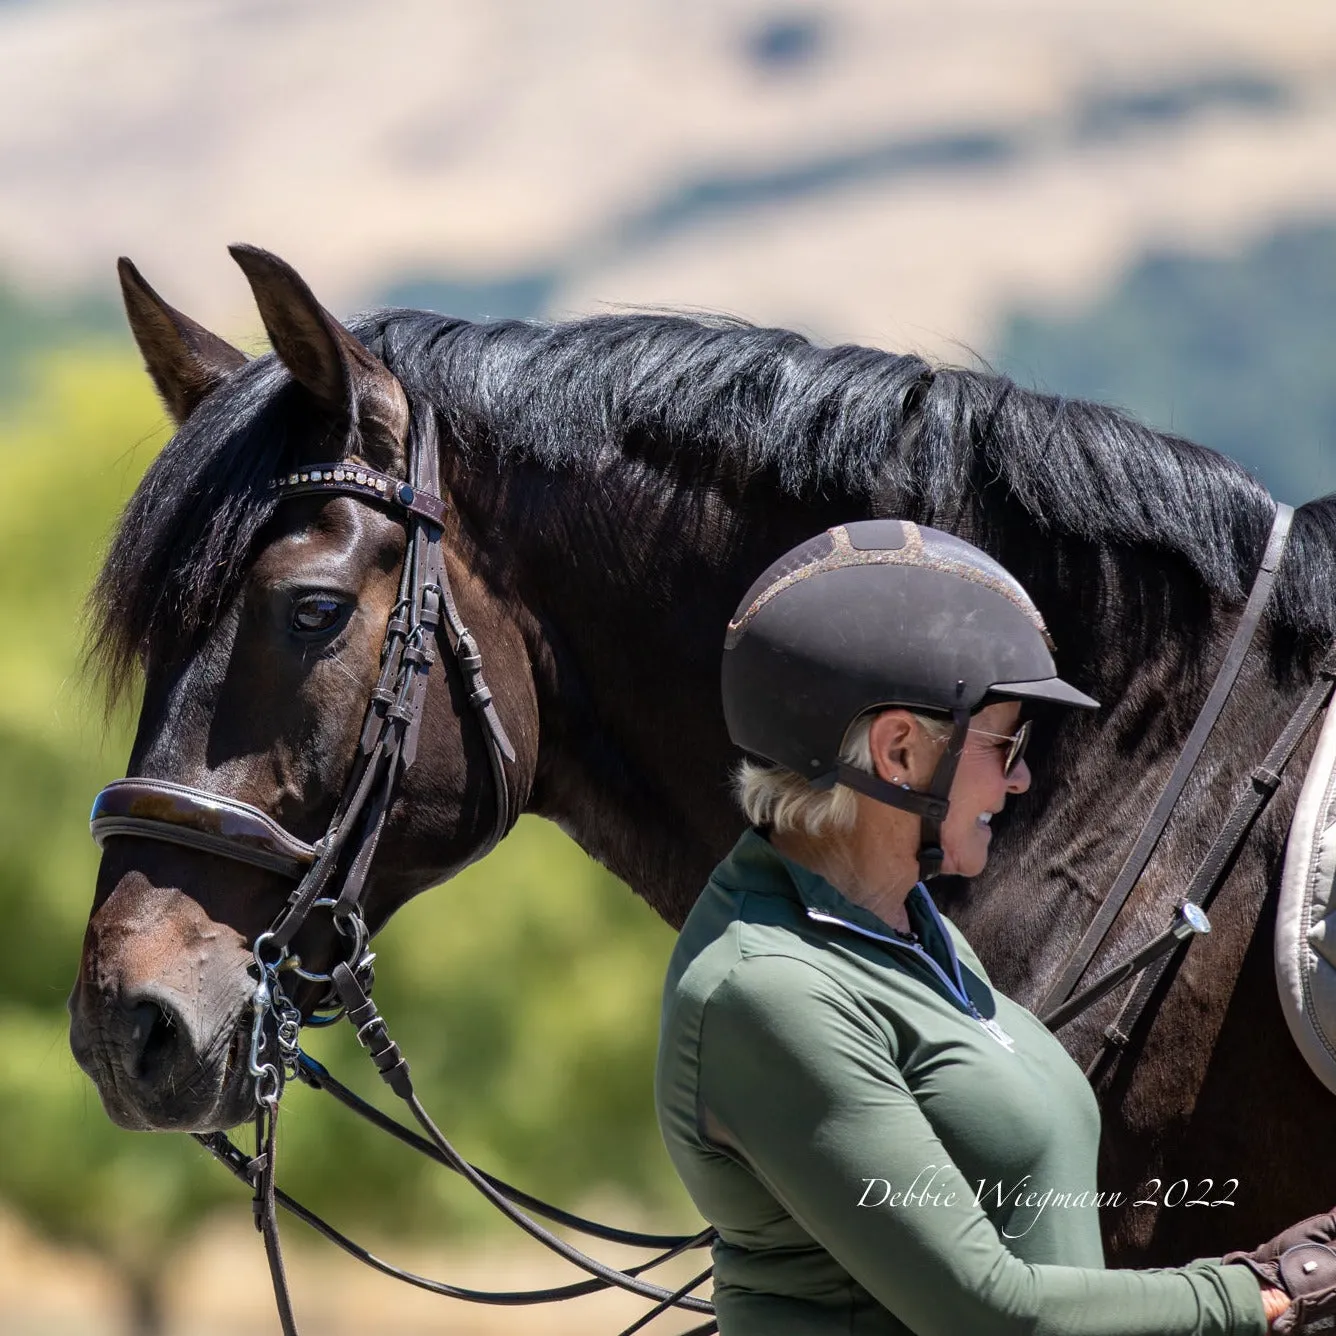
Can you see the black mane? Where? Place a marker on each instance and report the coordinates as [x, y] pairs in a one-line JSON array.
[[703, 400]]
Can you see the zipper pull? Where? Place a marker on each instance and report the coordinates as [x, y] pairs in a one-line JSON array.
[[995, 1030]]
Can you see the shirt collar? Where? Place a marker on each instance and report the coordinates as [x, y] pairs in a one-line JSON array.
[[755, 865]]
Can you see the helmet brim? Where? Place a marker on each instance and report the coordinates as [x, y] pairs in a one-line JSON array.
[[1051, 689]]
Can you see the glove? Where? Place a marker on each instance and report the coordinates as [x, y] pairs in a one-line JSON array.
[[1301, 1261]]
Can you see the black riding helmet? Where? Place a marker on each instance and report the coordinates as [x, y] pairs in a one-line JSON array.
[[878, 614]]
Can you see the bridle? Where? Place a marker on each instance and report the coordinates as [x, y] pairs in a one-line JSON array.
[[331, 876]]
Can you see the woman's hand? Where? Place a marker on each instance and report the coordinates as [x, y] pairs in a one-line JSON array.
[[1297, 1271], [1275, 1303]]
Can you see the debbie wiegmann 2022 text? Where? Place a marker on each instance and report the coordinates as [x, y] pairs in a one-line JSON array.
[[1024, 1193]]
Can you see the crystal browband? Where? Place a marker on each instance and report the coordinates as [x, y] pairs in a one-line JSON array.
[[357, 480]]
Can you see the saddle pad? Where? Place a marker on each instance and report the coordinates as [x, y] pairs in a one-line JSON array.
[[1306, 919]]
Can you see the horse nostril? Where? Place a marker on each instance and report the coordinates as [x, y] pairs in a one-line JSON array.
[[150, 1039]]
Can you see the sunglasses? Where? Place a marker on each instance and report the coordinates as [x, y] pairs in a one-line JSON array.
[[1015, 743]]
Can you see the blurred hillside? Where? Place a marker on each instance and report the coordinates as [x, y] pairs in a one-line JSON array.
[[1126, 201], [1235, 352], [893, 173]]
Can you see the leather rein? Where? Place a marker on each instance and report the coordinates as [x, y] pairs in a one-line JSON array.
[[331, 876], [1158, 958]]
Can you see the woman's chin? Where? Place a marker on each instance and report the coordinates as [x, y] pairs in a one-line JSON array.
[[968, 863]]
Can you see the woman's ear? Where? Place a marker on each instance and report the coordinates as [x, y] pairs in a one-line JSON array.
[[895, 742]]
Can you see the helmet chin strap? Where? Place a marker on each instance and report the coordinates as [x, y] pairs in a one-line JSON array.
[[930, 804]]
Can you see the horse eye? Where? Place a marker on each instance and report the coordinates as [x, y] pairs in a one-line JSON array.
[[316, 614]]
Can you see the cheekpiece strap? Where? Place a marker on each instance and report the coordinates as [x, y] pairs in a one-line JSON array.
[[365, 483]]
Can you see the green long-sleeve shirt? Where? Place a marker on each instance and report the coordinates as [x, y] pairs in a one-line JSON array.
[[873, 1134]]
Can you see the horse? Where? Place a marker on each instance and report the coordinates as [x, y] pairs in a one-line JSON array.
[[613, 485]]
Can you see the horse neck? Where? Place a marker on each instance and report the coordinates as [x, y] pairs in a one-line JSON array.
[[626, 592]]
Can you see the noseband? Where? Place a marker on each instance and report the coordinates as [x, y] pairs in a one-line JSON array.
[[331, 874], [177, 814]]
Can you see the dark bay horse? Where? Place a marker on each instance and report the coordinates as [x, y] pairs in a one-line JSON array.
[[614, 486]]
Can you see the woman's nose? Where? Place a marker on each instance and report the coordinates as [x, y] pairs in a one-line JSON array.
[[1019, 779]]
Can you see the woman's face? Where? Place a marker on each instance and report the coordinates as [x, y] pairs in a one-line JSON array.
[[980, 789]]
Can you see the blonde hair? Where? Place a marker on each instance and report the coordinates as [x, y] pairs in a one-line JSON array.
[[774, 796]]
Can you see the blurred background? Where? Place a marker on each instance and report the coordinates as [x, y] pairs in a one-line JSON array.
[[1131, 201]]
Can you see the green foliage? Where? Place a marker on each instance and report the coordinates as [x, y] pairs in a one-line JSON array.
[[526, 996], [525, 993], [29, 329], [1235, 353], [70, 448], [72, 1173]]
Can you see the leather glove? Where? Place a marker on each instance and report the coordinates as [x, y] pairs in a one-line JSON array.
[[1301, 1261]]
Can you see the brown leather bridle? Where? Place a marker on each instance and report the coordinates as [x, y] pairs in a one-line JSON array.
[[218, 824], [331, 875]]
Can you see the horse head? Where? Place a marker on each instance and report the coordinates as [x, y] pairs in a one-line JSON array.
[[259, 621]]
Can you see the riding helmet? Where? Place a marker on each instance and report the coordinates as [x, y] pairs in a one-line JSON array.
[[877, 614]]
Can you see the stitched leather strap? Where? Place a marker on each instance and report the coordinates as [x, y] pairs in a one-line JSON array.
[[1261, 785], [1135, 863], [369, 485], [261, 1171], [175, 814]]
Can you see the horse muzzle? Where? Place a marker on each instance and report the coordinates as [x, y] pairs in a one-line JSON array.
[[153, 1070], [160, 1013]]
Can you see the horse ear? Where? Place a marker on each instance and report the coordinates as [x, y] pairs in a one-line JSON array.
[[345, 379], [186, 362]]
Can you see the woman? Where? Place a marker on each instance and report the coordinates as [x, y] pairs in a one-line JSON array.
[[884, 1143]]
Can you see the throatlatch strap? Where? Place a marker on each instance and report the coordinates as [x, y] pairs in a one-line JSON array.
[[1139, 856]]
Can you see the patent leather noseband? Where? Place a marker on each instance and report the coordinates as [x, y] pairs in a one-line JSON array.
[[177, 814]]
